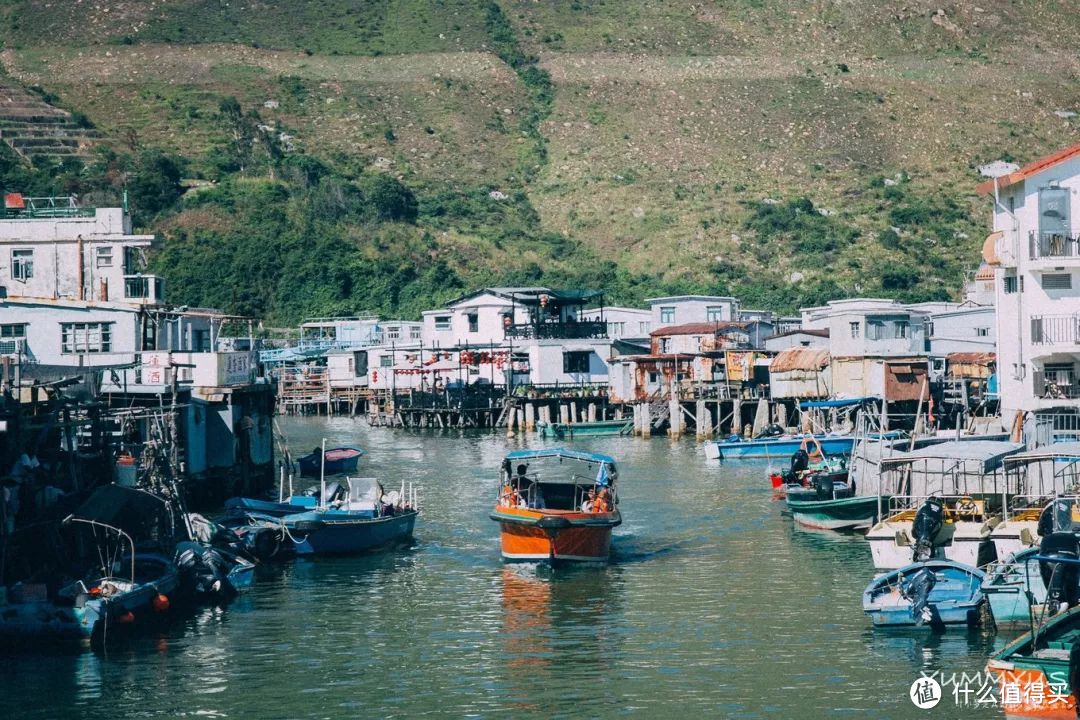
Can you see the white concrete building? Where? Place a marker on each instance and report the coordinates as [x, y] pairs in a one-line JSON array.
[[623, 323], [547, 333], [1035, 251], [357, 331], [686, 309], [52, 248]]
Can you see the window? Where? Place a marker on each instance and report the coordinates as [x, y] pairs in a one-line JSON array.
[[85, 337], [200, 340], [442, 322], [22, 264], [576, 361], [714, 313], [14, 330], [616, 329], [982, 332], [929, 326], [393, 332], [415, 333], [875, 330], [1061, 374], [855, 329], [1010, 284], [386, 361], [474, 322], [644, 326], [667, 315], [665, 345], [104, 256], [1057, 281], [900, 329]]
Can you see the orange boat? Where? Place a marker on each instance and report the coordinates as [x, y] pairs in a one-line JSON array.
[[557, 505]]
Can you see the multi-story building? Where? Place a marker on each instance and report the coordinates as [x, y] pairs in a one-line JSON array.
[[53, 248], [1035, 252], [686, 309]]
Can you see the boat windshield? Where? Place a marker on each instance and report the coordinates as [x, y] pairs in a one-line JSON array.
[[558, 483], [364, 490], [1065, 515]]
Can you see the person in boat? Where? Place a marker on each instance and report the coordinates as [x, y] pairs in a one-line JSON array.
[[522, 472], [603, 501], [589, 502], [537, 501]]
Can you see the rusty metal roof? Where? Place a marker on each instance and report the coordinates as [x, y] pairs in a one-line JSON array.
[[705, 328], [812, 359], [972, 358]]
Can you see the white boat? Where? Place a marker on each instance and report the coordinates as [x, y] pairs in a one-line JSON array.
[[966, 478], [1041, 476]]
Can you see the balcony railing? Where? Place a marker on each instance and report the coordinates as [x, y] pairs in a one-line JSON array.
[[1055, 330], [142, 287], [1057, 386], [557, 330], [1052, 245]]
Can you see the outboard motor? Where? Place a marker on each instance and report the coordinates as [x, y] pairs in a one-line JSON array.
[[1056, 517], [1058, 574], [771, 430], [203, 570], [927, 525], [917, 590], [823, 485]]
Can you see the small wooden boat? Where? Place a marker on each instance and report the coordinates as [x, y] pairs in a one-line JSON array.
[[557, 505], [1039, 672], [335, 461], [569, 431], [735, 448], [366, 519], [932, 593]]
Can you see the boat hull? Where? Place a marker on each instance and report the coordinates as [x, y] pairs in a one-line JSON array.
[[782, 448], [568, 431], [348, 536], [338, 461], [535, 536], [955, 599], [839, 514]]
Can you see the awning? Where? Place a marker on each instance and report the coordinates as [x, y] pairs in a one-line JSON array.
[[989, 248], [845, 402]]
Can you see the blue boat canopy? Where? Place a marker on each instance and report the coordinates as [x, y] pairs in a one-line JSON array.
[[843, 402], [561, 453]]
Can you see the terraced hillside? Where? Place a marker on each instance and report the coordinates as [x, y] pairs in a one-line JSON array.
[[34, 129], [789, 152]]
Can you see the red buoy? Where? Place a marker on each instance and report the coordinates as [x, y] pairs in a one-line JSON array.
[[160, 603]]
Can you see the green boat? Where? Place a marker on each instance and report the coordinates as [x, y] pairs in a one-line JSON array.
[[839, 514], [1038, 671], [568, 431]]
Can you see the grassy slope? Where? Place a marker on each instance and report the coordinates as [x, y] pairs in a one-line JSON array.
[[672, 121]]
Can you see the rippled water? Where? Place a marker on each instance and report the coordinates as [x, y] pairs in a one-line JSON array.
[[716, 606]]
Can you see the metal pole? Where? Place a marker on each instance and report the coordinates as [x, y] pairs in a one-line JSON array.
[[322, 476]]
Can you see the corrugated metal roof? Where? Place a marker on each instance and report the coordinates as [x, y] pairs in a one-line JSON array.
[[823, 332], [705, 328], [972, 358], [801, 358]]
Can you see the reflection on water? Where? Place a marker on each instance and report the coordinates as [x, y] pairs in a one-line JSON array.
[[715, 606]]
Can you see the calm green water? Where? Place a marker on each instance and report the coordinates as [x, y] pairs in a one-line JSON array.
[[715, 607]]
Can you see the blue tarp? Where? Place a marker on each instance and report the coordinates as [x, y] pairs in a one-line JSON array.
[[847, 402], [561, 452]]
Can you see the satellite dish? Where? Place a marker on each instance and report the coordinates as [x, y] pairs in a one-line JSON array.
[[998, 168]]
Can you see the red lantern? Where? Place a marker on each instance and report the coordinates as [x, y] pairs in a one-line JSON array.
[[374, 376], [544, 300], [507, 321]]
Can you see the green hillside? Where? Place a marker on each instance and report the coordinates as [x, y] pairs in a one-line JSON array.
[[386, 155]]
